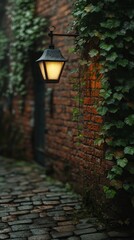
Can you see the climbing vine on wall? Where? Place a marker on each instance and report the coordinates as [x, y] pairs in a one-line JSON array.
[[3, 62], [106, 32], [26, 29]]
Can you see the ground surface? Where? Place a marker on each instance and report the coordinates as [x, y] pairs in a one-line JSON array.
[[34, 207]]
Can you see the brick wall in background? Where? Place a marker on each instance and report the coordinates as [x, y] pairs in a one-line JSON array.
[[23, 115], [78, 163], [81, 164], [59, 142]]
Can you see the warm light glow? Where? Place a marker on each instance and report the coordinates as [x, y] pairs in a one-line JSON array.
[[54, 69], [42, 70]]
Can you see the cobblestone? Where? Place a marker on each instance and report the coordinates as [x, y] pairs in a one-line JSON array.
[[34, 208], [4, 236], [116, 234], [95, 236]]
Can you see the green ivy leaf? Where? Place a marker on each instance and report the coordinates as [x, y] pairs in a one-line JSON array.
[[117, 184], [107, 126], [78, 13], [105, 93], [110, 101], [99, 141], [119, 124], [122, 162], [111, 175], [113, 109], [89, 8], [109, 155], [118, 96], [118, 88], [128, 38], [93, 53], [102, 110], [129, 150], [92, 8], [110, 24], [112, 57], [119, 143], [126, 186], [110, 35], [117, 170], [105, 46], [110, 193], [129, 120], [123, 62]]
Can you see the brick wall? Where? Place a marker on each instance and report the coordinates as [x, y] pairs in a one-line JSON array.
[[79, 163], [23, 115], [59, 140]]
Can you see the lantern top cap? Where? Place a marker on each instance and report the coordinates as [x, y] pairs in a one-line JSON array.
[[51, 55]]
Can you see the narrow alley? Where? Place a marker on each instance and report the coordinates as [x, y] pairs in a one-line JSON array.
[[35, 207]]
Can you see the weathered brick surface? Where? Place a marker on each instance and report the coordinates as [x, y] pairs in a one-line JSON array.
[[70, 161]]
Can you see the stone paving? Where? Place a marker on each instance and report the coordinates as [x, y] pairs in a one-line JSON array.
[[34, 207]]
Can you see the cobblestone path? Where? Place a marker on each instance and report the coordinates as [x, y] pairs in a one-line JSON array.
[[34, 207]]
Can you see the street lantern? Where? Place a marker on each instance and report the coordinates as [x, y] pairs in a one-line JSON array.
[[52, 62]]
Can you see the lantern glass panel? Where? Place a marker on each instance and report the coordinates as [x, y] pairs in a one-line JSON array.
[[42, 70], [54, 69]]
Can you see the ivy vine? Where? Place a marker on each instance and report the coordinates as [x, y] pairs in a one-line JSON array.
[[3, 63], [26, 29], [106, 33]]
